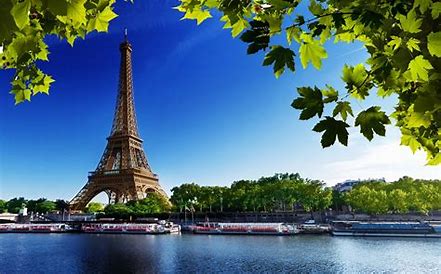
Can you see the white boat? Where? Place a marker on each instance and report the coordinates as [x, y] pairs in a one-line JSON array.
[[35, 228], [246, 229], [130, 228]]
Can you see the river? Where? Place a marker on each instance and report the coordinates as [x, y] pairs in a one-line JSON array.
[[186, 253]]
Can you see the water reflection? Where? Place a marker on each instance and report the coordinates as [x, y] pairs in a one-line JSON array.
[[79, 253]]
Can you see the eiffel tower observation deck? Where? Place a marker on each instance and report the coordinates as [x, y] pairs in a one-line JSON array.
[[123, 172]]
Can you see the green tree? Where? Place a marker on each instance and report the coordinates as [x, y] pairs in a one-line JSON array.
[[14, 205], [398, 201], [94, 207], [338, 200], [44, 206], [32, 204], [207, 197], [61, 205], [185, 196], [3, 206], [313, 197], [117, 209], [153, 203], [401, 37]]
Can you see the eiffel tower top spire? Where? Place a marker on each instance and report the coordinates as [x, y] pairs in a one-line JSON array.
[[124, 121]]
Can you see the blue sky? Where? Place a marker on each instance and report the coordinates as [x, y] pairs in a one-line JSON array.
[[207, 112]]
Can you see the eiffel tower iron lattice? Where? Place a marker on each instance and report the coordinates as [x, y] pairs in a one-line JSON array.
[[123, 172]]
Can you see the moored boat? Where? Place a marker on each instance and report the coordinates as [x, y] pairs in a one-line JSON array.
[[385, 229], [35, 228], [246, 229], [172, 228], [129, 228]]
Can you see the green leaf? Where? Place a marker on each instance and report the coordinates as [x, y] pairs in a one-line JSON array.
[[21, 95], [258, 36], [372, 120], [57, 7], [310, 102], [76, 11], [311, 51], [44, 85], [436, 160], [281, 57], [436, 10], [395, 43], [410, 141], [332, 129], [355, 79], [315, 8], [434, 43], [274, 21], [197, 14], [330, 93], [22, 45], [417, 119], [418, 68], [423, 4], [412, 44], [343, 108], [42, 55], [7, 23], [20, 12], [293, 33], [101, 22], [410, 23], [382, 92], [238, 27]]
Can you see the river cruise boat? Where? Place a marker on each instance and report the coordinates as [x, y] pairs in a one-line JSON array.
[[34, 228], [172, 228], [306, 228], [246, 229], [124, 228], [384, 229]]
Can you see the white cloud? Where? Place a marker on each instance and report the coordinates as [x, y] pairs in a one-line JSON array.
[[385, 159]]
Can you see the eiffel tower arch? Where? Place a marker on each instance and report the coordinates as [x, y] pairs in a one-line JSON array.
[[123, 172]]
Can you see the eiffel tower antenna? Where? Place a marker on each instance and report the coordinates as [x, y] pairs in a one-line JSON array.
[[123, 171]]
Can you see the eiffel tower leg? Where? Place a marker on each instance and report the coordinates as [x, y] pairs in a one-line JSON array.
[[89, 191]]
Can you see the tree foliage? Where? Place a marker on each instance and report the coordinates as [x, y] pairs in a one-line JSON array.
[[401, 196], [61, 205], [281, 192], [94, 207], [45, 206], [15, 204], [153, 203], [402, 39], [3, 206], [24, 24]]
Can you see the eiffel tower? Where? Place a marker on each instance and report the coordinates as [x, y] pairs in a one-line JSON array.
[[123, 172]]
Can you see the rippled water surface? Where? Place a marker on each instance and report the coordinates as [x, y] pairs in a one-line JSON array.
[[81, 253]]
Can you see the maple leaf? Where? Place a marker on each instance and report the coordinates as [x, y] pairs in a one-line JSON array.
[[281, 57], [372, 120], [332, 129]]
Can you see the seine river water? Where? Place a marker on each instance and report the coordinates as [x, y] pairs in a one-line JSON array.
[[81, 253]]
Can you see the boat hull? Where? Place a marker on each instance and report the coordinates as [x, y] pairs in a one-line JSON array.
[[125, 232], [385, 234], [216, 232]]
